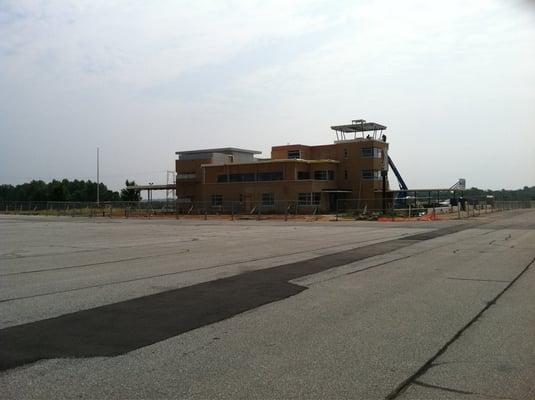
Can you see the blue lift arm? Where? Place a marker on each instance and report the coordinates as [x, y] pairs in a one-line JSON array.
[[402, 184]]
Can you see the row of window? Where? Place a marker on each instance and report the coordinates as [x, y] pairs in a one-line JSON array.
[[186, 175], [309, 199], [371, 152], [251, 177], [365, 152], [322, 175], [371, 174], [268, 199], [292, 154], [318, 175]]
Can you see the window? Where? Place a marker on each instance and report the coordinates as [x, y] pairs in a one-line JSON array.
[[185, 175], [249, 177], [217, 200], [371, 174], [294, 153], [371, 152], [268, 199], [345, 174], [324, 175], [303, 175], [309, 199], [345, 154], [269, 176]]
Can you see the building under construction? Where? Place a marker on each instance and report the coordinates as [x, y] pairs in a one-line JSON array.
[[311, 177]]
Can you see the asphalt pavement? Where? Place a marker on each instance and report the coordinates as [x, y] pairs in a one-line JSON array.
[[98, 308]]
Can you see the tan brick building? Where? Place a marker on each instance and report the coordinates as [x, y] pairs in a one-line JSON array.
[[296, 175]]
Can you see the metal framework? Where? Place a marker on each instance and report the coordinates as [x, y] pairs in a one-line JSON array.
[[170, 193], [359, 125]]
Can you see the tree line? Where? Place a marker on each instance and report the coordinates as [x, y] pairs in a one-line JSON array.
[[65, 190], [80, 190], [526, 193]]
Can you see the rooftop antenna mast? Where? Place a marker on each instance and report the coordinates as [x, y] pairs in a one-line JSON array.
[[356, 122]]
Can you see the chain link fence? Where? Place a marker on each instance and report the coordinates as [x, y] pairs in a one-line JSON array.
[[420, 208], [340, 209]]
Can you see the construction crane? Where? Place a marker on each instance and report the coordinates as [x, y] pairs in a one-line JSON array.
[[402, 194]]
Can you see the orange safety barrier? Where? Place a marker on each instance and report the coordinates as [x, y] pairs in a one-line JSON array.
[[430, 216]]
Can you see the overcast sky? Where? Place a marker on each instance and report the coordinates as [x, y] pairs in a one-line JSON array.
[[454, 81]]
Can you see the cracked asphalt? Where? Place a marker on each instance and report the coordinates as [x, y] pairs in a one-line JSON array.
[[257, 309]]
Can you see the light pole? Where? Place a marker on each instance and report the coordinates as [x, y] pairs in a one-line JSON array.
[[150, 193], [98, 178]]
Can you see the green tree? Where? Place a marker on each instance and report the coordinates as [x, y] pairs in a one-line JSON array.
[[130, 194], [57, 190]]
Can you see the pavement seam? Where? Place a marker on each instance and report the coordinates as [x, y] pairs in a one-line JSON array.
[[36, 271], [459, 391], [477, 280], [443, 388], [185, 271], [398, 390], [394, 260]]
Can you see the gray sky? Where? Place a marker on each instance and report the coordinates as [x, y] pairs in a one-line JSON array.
[[453, 80]]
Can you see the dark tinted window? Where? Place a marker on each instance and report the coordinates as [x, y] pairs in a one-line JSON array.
[[268, 199], [217, 199], [294, 153], [309, 199], [324, 175], [303, 175], [270, 176]]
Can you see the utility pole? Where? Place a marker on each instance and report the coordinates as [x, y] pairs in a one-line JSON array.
[[98, 179]]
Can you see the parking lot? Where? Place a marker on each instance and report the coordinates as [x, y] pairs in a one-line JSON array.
[[99, 308]]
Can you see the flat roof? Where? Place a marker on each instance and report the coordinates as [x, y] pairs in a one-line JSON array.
[[283, 146], [277, 160], [220, 150], [359, 127], [422, 190], [151, 187]]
